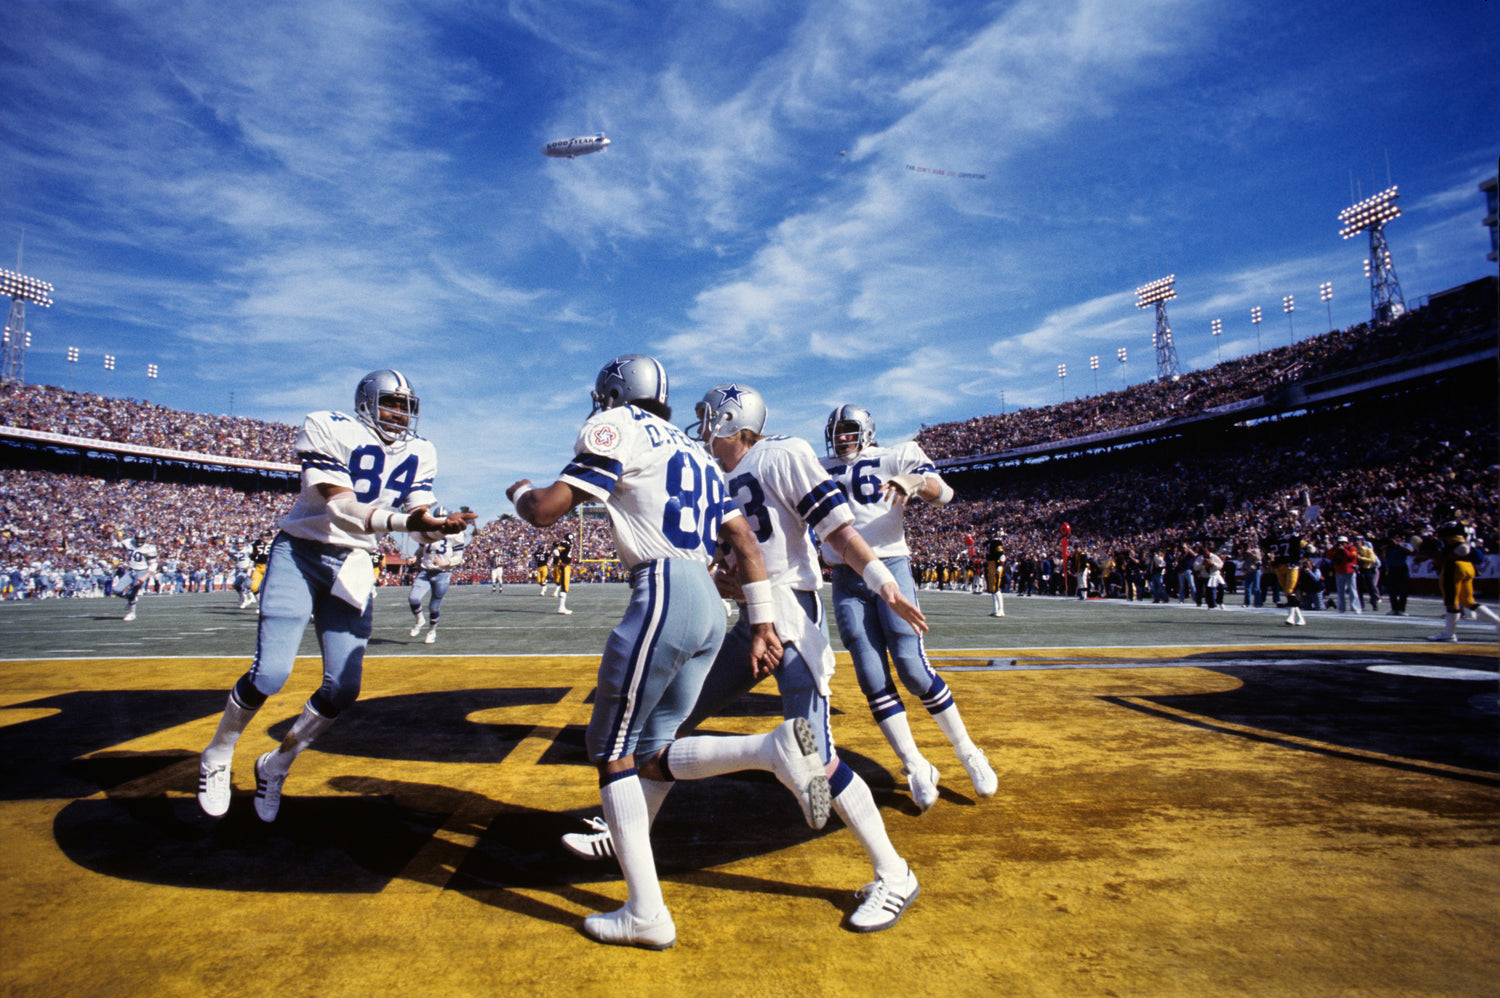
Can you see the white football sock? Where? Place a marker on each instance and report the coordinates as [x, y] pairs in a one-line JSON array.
[[221, 750], [857, 809], [897, 730], [698, 757], [630, 828], [655, 792], [306, 728], [953, 726]]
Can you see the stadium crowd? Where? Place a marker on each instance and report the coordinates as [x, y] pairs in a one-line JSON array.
[[1366, 479], [1372, 472], [1467, 318], [95, 417], [56, 526]]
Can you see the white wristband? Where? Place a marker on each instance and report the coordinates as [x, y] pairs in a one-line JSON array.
[[364, 518], [758, 602], [516, 499], [393, 521], [945, 495], [876, 575]]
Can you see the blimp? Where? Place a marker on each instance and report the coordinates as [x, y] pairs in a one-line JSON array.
[[582, 145]]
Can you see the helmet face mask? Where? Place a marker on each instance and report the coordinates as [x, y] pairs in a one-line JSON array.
[[629, 378], [850, 430], [385, 402], [727, 409]]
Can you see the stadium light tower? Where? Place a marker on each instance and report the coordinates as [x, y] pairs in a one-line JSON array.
[[1094, 366], [1370, 215], [1288, 306], [20, 289], [1255, 318], [1218, 328], [1062, 376], [1325, 291], [1157, 294], [1120, 356]]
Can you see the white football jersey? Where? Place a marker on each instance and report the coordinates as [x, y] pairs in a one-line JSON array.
[[139, 559], [665, 496], [783, 490], [242, 559], [879, 520], [336, 449], [444, 554]]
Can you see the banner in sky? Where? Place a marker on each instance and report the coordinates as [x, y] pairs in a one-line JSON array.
[[933, 171]]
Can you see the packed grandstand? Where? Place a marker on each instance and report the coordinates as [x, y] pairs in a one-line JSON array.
[[1374, 426]]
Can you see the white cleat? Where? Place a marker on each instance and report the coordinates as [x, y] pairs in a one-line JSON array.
[[980, 773], [431, 636], [267, 790], [1444, 637], [421, 623], [622, 928], [884, 902], [923, 782], [129, 615], [596, 844], [563, 609], [213, 789], [800, 769]]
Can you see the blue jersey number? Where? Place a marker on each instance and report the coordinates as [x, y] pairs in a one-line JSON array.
[[753, 505], [692, 495], [367, 463], [866, 487]]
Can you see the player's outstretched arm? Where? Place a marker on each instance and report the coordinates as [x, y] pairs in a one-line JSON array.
[[858, 556], [453, 523], [765, 644], [366, 518], [542, 507], [929, 487]]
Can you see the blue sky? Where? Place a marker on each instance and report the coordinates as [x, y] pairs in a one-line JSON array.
[[271, 199]]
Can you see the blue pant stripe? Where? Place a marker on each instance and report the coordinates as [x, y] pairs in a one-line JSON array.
[[641, 655]]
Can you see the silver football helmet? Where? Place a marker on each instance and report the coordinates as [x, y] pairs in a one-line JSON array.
[[729, 408], [850, 430], [389, 391], [627, 378]]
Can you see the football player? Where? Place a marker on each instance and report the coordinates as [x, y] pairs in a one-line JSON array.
[[1285, 552], [994, 569], [562, 571], [784, 493], [541, 561], [137, 572], [669, 514], [436, 561], [244, 563], [879, 481], [362, 476], [260, 553], [497, 575], [1452, 552]]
